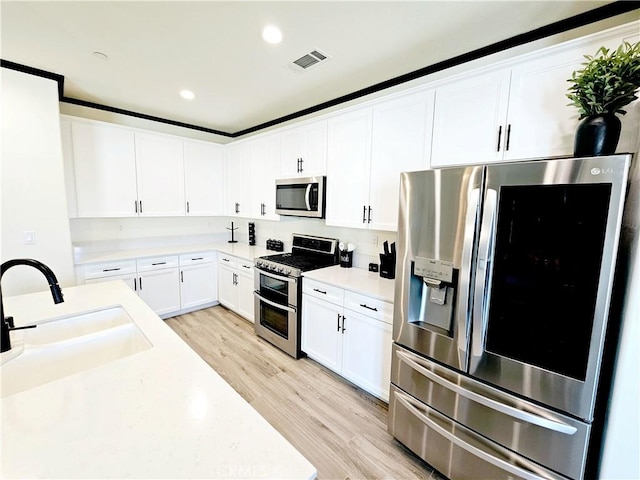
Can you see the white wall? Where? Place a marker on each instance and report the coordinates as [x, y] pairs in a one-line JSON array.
[[32, 184]]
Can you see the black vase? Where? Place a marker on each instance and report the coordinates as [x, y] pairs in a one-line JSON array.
[[597, 135]]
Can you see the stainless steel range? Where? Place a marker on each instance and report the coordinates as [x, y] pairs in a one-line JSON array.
[[278, 289]]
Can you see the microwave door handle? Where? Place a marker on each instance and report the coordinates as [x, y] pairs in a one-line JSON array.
[[462, 316], [482, 282], [307, 196]]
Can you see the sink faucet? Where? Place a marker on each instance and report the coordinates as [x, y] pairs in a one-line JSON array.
[[7, 322]]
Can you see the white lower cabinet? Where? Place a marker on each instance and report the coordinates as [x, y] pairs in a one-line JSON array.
[[235, 285], [169, 284], [198, 280], [349, 333], [158, 283]]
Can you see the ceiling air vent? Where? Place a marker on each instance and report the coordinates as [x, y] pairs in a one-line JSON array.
[[308, 60]]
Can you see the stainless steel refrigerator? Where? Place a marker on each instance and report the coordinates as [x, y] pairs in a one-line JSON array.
[[503, 293]]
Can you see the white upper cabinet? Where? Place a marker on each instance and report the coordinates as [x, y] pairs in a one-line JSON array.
[[520, 111], [105, 170], [159, 162], [237, 180], [469, 119], [401, 142], [367, 150], [203, 179], [265, 168], [348, 166], [304, 151]]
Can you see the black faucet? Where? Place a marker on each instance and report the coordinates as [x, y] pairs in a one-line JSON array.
[[7, 322]]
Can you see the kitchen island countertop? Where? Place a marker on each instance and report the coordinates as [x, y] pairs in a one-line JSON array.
[[159, 413]]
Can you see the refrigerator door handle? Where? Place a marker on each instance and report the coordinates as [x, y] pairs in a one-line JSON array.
[[483, 271], [462, 320], [508, 410], [410, 405]]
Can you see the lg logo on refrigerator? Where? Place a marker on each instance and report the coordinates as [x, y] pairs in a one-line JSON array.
[[600, 171]]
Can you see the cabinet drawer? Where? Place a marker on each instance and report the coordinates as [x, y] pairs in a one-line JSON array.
[[156, 263], [227, 260], [372, 307], [109, 269], [324, 291], [197, 257], [245, 266]]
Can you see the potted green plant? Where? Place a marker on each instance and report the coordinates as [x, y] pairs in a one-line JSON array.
[[608, 82]]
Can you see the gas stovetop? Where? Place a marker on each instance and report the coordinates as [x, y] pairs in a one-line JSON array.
[[308, 253]]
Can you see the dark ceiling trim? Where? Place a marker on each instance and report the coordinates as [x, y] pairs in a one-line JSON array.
[[601, 13], [607, 11]]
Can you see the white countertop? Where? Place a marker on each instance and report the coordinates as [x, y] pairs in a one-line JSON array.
[[355, 280], [241, 250], [159, 413]]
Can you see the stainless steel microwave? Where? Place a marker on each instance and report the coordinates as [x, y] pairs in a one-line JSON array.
[[301, 197]]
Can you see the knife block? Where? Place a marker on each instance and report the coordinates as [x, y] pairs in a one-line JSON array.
[[388, 266]]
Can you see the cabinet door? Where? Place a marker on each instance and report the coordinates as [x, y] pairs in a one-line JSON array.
[[237, 180], [366, 353], [265, 167], [159, 162], [540, 121], [198, 285], [348, 166], [227, 291], [304, 151], [160, 289], [203, 179], [105, 170], [469, 120], [314, 153], [400, 143], [245, 286], [321, 335]]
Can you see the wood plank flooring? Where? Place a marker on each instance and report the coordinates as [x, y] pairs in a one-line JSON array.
[[339, 428]]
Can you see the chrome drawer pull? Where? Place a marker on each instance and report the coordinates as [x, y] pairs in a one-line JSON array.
[[556, 426], [475, 451]]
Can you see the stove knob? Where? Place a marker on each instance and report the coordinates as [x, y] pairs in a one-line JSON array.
[[280, 269], [287, 271]]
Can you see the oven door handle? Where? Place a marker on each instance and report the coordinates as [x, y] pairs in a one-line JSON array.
[[278, 277], [274, 304]]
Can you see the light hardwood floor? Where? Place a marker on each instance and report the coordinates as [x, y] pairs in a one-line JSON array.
[[339, 428]]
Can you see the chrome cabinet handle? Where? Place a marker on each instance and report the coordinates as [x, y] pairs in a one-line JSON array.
[[508, 410]]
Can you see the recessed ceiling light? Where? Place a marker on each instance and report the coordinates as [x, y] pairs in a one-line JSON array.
[[272, 34], [187, 94]]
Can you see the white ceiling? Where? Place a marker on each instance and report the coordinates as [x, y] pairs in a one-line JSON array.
[[215, 49]]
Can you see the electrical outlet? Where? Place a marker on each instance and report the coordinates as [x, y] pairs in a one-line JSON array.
[[374, 240]]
